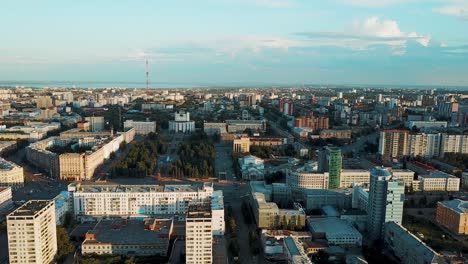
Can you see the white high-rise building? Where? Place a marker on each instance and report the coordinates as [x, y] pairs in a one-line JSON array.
[[32, 233], [386, 197], [199, 236], [424, 145], [182, 123], [113, 200]]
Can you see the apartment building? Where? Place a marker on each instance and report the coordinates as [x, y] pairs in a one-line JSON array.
[[32, 233], [453, 215], [424, 145], [393, 143], [312, 122], [241, 145], [141, 127], [92, 200], [453, 143], [11, 175], [198, 233], [182, 123], [96, 123]]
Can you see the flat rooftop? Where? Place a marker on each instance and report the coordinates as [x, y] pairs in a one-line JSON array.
[[31, 208], [333, 227], [457, 205], [92, 187], [199, 210], [217, 202], [131, 232], [438, 174]]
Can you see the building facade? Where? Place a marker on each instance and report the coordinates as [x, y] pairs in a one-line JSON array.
[[241, 145], [453, 215], [198, 234], [182, 123], [11, 175], [141, 127], [107, 200], [386, 197], [32, 233], [393, 143]]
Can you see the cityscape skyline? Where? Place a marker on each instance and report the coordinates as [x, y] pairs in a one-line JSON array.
[[237, 41]]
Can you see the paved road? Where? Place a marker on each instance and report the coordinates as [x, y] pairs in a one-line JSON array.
[[223, 162]]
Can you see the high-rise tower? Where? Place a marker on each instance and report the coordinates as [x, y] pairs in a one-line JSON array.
[[386, 197]]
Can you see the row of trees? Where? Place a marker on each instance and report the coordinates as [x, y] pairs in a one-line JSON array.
[[266, 152], [196, 158], [142, 157]]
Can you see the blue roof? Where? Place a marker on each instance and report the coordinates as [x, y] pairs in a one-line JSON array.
[[291, 245], [380, 172]]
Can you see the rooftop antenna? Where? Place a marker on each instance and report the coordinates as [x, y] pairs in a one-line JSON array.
[[147, 74]]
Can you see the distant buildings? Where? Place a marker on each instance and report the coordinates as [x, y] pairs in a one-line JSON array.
[[182, 123], [336, 231], [198, 234], [239, 126], [407, 247], [96, 123], [137, 237], [141, 127], [386, 197], [312, 122], [336, 134], [453, 215], [32, 233], [5, 199], [241, 145], [252, 168], [11, 175]]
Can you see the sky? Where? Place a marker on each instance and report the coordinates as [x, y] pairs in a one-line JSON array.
[[392, 42]]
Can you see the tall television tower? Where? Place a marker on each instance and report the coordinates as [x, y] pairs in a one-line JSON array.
[[147, 74]]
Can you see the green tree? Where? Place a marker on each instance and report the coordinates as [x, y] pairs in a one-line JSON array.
[[64, 246], [90, 261], [130, 261], [321, 257]]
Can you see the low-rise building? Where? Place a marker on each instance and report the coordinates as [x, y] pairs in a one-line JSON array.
[[334, 133], [295, 253], [11, 175], [239, 126], [241, 145], [141, 127], [182, 123], [252, 168], [5, 199], [305, 177], [438, 181], [63, 205], [125, 237], [350, 177], [453, 215], [407, 247], [101, 200], [337, 232]]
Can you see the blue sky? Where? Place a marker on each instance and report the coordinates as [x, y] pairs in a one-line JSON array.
[[237, 41]]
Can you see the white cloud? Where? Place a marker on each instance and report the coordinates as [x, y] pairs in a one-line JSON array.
[[371, 31], [457, 8]]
